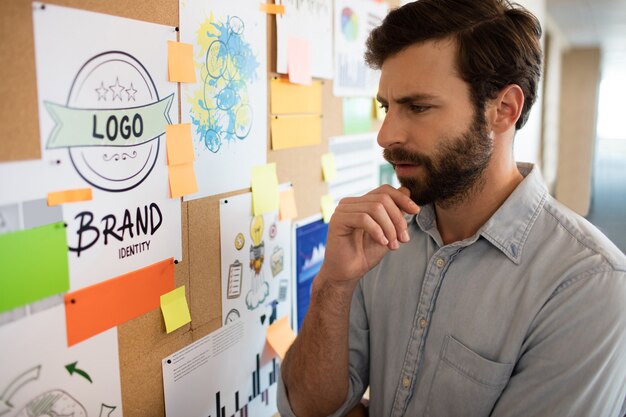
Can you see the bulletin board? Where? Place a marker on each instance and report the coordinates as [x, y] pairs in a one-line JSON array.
[[143, 342]]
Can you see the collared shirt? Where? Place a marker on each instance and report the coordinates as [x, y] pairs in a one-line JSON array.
[[525, 318]]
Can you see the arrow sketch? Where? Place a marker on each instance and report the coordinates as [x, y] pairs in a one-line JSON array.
[[106, 408], [15, 385], [71, 368]]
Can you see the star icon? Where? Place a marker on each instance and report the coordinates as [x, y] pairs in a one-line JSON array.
[[116, 89], [102, 92], [131, 92]]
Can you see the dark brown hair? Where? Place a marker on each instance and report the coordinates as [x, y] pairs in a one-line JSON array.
[[498, 43]]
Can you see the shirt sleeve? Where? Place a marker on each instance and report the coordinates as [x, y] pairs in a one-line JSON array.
[[573, 362], [358, 360]]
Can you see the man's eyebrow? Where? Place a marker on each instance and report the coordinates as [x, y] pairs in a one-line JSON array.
[[409, 98]]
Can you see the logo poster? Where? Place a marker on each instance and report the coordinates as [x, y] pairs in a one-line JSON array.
[[104, 102]]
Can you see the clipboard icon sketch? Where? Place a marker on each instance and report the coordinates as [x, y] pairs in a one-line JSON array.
[[234, 280]]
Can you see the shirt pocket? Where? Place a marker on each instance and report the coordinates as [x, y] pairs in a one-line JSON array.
[[465, 383]]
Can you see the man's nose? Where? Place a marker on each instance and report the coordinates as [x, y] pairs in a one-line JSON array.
[[393, 131]]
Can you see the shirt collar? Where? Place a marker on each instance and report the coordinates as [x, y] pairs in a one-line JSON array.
[[509, 226]]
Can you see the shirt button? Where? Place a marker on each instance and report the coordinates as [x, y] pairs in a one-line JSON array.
[[422, 323], [406, 382], [440, 263]]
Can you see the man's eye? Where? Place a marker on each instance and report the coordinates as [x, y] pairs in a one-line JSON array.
[[418, 109]]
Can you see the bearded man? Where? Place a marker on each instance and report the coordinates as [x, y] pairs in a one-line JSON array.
[[493, 299]]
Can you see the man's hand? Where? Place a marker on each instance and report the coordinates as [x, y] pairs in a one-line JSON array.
[[362, 230]]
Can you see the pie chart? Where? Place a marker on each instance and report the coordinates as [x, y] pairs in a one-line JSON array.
[[349, 24]]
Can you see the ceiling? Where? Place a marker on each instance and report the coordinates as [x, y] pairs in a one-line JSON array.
[[594, 23]]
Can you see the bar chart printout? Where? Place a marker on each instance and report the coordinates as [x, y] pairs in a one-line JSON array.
[[220, 376]]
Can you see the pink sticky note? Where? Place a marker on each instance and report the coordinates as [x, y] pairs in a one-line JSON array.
[[299, 61]]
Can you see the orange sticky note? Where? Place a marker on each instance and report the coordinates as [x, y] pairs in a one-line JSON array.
[[287, 209], [299, 61], [272, 8], [179, 145], [175, 309], [69, 196], [295, 131], [94, 309], [182, 180], [180, 66], [280, 336]]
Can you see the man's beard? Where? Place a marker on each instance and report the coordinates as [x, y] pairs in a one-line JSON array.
[[455, 170]]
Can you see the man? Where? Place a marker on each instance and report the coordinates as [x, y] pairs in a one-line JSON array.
[[494, 299]]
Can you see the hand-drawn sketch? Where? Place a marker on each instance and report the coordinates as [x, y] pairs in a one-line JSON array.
[[221, 110], [112, 121], [227, 105], [232, 316], [259, 289], [234, 279], [53, 403]]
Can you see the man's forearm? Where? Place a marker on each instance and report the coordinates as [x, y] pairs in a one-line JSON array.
[[315, 369]]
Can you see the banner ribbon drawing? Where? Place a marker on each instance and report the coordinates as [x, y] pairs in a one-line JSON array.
[[108, 127]]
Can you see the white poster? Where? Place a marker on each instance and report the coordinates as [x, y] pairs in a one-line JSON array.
[[312, 21], [354, 20], [357, 164], [230, 372], [227, 105], [256, 262], [104, 102], [41, 376]]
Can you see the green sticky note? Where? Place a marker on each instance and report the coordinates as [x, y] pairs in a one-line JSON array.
[[357, 115], [264, 189], [33, 265]]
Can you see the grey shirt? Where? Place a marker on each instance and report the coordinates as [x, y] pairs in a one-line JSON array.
[[525, 318]]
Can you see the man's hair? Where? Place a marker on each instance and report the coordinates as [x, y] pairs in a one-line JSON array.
[[498, 43]]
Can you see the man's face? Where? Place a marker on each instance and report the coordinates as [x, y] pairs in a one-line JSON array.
[[438, 144]]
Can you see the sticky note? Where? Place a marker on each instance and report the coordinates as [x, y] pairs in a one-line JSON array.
[[33, 265], [272, 8], [264, 189], [328, 207], [69, 196], [357, 115], [280, 336], [295, 131], [179, 145], [175, 309], [287, 209], [92, 310], [289, 98], [328, 167], [182, 180], [299, 61], [180, 66]]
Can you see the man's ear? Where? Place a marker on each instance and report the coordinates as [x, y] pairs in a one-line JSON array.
[[505, 109]]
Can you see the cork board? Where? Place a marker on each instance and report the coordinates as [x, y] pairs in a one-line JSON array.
[[143, 342]]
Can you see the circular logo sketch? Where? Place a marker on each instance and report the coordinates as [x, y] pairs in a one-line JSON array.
[[122, 95]]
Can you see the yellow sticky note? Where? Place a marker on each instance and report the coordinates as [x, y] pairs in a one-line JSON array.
[[299, 61], [287, 209], [328, 207], [69, 196], [179, 145], [175, 309], [378, 112], [328, 167], [295, 131], [264, 189], [180, 67], [182, 180], [280, 336], [288, 98]]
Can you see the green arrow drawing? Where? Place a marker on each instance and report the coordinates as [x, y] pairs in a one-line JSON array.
[[71, 368]]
